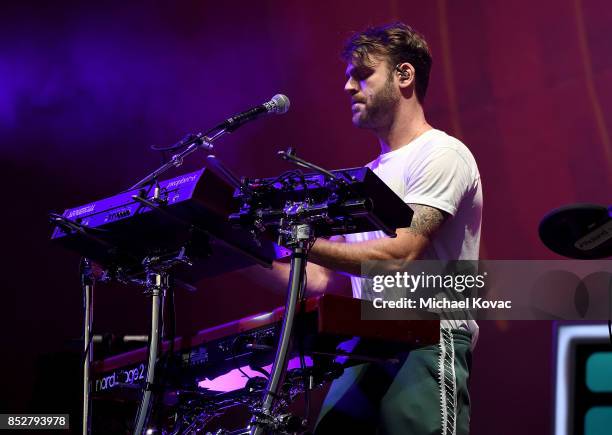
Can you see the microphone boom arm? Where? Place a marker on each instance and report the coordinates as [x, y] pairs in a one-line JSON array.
[[197, 141], [289, 155], [279, 104]]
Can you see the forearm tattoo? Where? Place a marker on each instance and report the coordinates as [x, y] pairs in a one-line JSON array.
[[426, 220]]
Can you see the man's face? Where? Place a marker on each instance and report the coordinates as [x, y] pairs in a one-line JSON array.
[[374, 95]]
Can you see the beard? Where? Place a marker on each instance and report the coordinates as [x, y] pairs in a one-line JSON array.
[[378, 112]]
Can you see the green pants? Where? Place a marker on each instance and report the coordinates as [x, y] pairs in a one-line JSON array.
[[426, 393]]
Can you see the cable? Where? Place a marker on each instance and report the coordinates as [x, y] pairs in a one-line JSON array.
[[86, 351], [234, 360], [262, 371], [186, 141]]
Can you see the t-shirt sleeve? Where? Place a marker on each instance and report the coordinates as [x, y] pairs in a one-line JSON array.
[[441, 180]]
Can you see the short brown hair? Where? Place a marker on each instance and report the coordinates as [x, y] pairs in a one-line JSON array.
[[398, 43]]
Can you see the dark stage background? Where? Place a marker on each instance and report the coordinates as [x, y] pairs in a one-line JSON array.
[[85, 89]]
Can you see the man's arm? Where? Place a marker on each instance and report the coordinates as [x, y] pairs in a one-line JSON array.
[[409, 244], [319, 279]]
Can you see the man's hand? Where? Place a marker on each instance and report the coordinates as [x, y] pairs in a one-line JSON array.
[[318, 278]]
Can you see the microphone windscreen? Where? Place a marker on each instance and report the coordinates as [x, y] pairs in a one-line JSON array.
[[281, 104]]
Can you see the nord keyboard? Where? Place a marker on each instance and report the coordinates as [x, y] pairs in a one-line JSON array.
[[323, 322]]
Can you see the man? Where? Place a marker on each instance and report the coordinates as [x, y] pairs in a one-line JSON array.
[[387, 77]]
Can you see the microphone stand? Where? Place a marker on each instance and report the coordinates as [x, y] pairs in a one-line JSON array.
[[299, 236], [157, 282], [87, 282]]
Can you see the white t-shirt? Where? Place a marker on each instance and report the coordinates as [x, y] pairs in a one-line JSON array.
[[439, 171]]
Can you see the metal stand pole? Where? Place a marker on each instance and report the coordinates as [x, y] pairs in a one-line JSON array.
[[157, 284], [264, 419], [87, 282]]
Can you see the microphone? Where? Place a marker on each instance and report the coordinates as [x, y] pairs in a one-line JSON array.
[[278, 104]]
